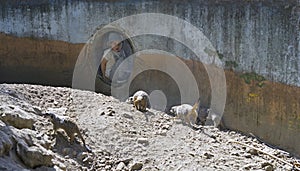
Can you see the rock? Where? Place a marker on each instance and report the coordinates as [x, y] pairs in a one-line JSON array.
[[12, 93], [2, 124], [5, 144], [128, 116], [109, 162], [136, 166], [44, 168], [267, 166], [111, 113], [55, 103], [162, 132], [166, 127], [67, 151], [102, 165], [17, 135], [45, 142], [235, 153], [253, 152], [143, 141], [120, 166], [248, 156], [14, 116], [108, 167], [248, 166], [74, 153], [82, 155], [125, 160], [192, 154], [264, 164], [208, 155], [33, 156], [87, 159], [102, 161], [7, 163], [37, 110], [62, 166]]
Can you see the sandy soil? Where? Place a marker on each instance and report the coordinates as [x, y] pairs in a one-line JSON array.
[[123, 138]]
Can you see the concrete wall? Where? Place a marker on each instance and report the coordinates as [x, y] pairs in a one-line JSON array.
[[41, 40], [260, 36]]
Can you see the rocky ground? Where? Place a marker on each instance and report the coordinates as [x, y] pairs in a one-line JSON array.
[[120, 137]]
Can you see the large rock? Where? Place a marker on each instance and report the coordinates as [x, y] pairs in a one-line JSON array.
[[44, 168], [2, 124], [17, 135], [7, 163], [14, 116], [34, 156], [31, 137], [5, 144], [28, 148], [136, 166]]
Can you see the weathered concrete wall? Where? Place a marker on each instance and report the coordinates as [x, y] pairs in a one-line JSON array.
[[41, 40], [259, 36], [28, 60]]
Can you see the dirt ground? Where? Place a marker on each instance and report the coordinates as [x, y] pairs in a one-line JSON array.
[[122, 138]]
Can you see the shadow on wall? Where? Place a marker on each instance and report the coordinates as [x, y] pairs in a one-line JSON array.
[[34, 61], [152, 80]]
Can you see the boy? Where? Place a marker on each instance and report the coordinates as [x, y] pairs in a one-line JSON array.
[[111, 56]]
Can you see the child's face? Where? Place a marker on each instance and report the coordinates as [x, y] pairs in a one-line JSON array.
[[116, 46]]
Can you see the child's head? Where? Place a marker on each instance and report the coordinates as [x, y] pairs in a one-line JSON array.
[[114, 40], [116, 46]]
